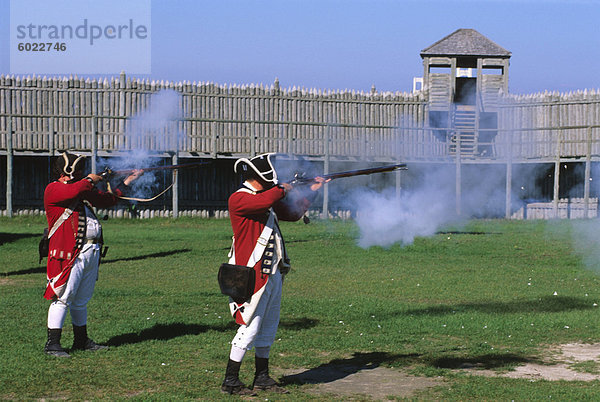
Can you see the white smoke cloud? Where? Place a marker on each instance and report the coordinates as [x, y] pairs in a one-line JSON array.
[[428, 203], [584, 233], [586, 242], [146, 134], [385, 219], [155, 128]]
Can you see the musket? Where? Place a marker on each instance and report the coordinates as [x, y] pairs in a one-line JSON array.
[[108, 172], [300, 179]]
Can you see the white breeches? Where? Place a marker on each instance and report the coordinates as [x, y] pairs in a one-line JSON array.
[[261, 331], [78, 290]]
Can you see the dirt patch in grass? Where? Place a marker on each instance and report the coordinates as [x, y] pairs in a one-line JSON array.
[[374, 382], [362, 377], [569, 362], [377, 382]]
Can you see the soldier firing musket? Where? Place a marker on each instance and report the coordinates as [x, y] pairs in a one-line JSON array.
[[259, 252], [74, 245]]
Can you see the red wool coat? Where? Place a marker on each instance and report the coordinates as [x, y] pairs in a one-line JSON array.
[[248, 213], [63, 249]]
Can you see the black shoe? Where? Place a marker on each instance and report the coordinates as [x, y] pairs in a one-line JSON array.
[[81, 340], [237, 390], [52, 346], [88, 345], [55, 350], [232, 384], [265, 383], [262, 380]]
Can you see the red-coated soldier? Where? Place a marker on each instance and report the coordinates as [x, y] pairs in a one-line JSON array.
[[75, 243], [254, 211]]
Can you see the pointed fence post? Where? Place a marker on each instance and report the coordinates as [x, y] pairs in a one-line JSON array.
[[556, 195], [325, 213], [588, 168], [175, 188], [9, 168], [252, 139], [50, 146], [508, 175], [94, 144], [213, 140], [122, 114]]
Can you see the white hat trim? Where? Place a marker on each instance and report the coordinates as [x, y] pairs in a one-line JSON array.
[[70, 170], [261, 175]]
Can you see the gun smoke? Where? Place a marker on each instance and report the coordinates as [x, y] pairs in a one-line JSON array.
[[147, 134], [384, 218], [427, 201], [584, 233]]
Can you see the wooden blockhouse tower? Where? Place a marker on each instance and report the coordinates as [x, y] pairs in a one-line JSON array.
[[464, 75]]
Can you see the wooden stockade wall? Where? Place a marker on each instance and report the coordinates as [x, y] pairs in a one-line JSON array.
[[212, 120], [102, 118], [548, 125], [218, 121]]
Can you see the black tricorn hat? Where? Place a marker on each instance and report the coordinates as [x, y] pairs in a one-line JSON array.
[[262, 165], [68, 164]]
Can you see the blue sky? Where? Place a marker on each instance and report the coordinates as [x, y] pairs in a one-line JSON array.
[[354, 44]]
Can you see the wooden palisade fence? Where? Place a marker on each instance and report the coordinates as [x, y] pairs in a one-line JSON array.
[[39, 116]]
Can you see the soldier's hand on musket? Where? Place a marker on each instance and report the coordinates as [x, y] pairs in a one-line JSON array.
[[94, 178], [286, 186], [318, 183], [135, 174]]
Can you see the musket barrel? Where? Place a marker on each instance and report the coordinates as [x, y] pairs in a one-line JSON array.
[[359, 172], [149, 169], [350, 173]]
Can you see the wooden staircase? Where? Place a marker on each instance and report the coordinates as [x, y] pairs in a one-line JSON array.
[[464, 124]]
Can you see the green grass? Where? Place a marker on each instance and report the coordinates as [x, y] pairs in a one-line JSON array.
[[587, 366], [481, 293]]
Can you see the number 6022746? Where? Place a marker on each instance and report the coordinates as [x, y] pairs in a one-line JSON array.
[[42, 46]]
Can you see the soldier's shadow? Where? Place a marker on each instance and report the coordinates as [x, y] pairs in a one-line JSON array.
[[10, 237], [34, 270], [341, 368], [146, 256], [546, 304], [488, 361], [42, 269], [298, 323], [164, 332]]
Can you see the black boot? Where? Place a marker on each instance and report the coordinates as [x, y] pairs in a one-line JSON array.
[[262, 380], [81, 340], [232, 384], [53, 347]]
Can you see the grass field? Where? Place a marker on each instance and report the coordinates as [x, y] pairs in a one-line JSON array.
[[484, 292]]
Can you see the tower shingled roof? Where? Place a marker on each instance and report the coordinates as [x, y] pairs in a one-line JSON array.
[[465, 42]]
